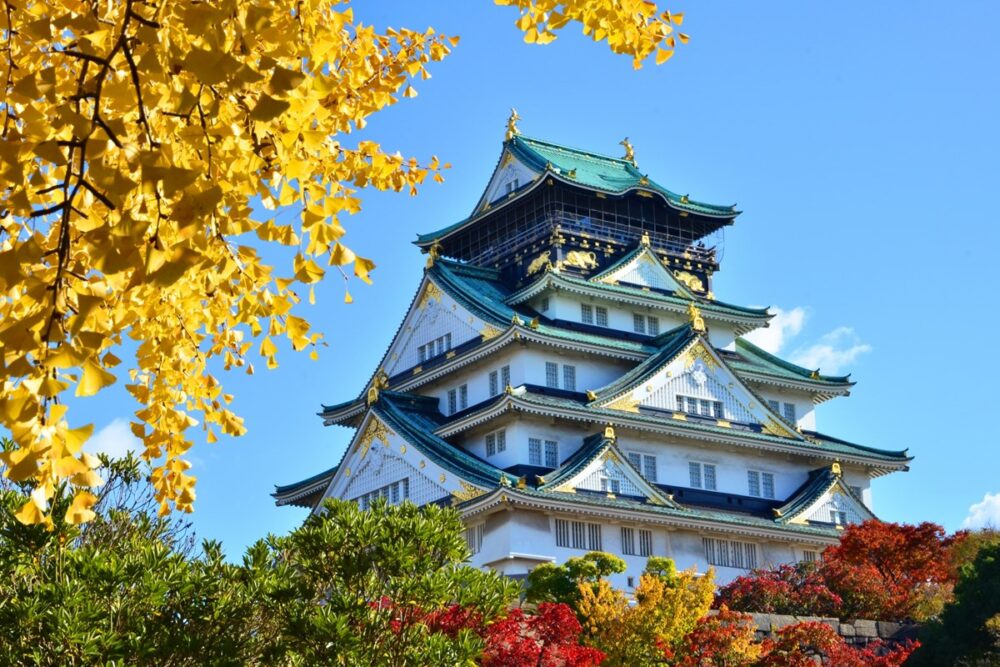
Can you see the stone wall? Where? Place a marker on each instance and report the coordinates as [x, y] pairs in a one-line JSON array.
[[857, 632]]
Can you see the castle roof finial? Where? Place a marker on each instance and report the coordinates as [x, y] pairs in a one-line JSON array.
[[512, 130], [629, 151], [697, 321]]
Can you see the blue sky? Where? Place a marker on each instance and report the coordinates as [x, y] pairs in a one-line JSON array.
[[861, 141]]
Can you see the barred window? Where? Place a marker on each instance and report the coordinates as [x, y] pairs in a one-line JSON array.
[[463, 397], [594, 535], [730, 553], [394, 493], [810, 556], [838, 517], [551, 454], [534, 451], [496, 442], [586, 313], [569, 377], [645, 464], [790, 412], [699, 406], [653, 326], [551, 374], [474, 537], [505, 376], [645, 543], [702, 475], [628, 541], [611, 485], [494, 388], [774, 405], [422, 353], [638, 323], [452, 402], [602, 316], [562, 533]]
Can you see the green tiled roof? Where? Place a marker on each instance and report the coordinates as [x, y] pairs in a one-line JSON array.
[[670, 343], [707, 306], [813, 443], [590, 170], [480, 292], [286, 494], [600, 172], [820, 481], [757, 360], [414, 418], [624, 503]]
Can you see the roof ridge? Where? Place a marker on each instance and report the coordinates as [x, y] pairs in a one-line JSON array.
[[573, 149]]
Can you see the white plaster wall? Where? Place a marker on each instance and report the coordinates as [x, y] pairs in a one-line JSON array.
[[805, 409], [672, 458], [439, 316], [516, 540]]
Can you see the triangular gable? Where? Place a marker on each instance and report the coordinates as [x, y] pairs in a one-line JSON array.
[[434, 319], [644, 269], [600, 466], [378, 456], [510, 176], [695, 372], [825, 498]]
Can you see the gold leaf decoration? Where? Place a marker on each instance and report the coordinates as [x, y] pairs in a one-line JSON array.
[[625, 403], [466, 492], [376, 430]]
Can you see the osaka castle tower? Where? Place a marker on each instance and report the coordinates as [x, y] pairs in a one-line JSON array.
[[567, 379]]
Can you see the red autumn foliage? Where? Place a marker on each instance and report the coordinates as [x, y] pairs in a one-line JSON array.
[[724, 639], [548, 638], [798, 646], [798, 590], [890, 571]]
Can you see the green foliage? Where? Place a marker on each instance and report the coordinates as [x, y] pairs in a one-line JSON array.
[[349, 587], [662, 568], [561, 583], [968, 631]]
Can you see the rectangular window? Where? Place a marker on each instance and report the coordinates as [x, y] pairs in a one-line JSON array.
[[718, 414], [635, 459], [611, 485], [501, 441], [452, 402], [767, 484], [753, 482], [645, 464], [551, 375], [638, 323], [730, 553], [838, 517], [809, 556], [645, 543], [551, 454], [494, 386], [594, 535], [579, 535], [653, 326], [447, 342], [505, 377], [602, 316], [790, 412], [680, 404], [463, 397], [628, 541], [393, 493], [586, 313], [544, 307], [406, 488], [422, 353], [491, 444], [562, 533], [474, 537], [704, 408], [702, 475], [534, 451], [774, 405], [569, 377]]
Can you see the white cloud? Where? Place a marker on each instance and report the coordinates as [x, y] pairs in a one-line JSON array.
[[784, 325], [984, 514], [115, 440], [834, 351]]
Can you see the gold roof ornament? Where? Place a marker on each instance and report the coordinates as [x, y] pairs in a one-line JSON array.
[[609, 432], [379, 382], [835, 468], [512, 130], [504, 480], [697, 321], [516, 320], [814, 375], [533, 324], [629, 151], [591, 396], [433, 253], [645, 239]]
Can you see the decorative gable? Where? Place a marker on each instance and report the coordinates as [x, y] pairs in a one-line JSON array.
[[435, 324], [695, 381], [646, 270], [510, 176]]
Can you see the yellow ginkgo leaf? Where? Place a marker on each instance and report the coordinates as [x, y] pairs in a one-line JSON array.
[[93, 379], [80, 510]]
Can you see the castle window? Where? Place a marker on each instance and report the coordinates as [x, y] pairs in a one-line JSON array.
[[646, 325], [609, 485], [602, 316], [569, 377], [474, 537], [645, 543], [494, 382], [496, 442], [645, 464], [730, 553], [499, 380], [774, 405], [838, 517], [639, 323], [702, 475], [550, 451], [809, 556], [856, 490], [760, 484], [700, 406], [393, 493], [439, 345], [653, 326], [551, 375], [628, 541], [790, 412], [586, 313], [544, 305], [578, 535]]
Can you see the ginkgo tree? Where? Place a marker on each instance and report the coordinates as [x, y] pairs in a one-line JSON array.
[[137, 137]]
